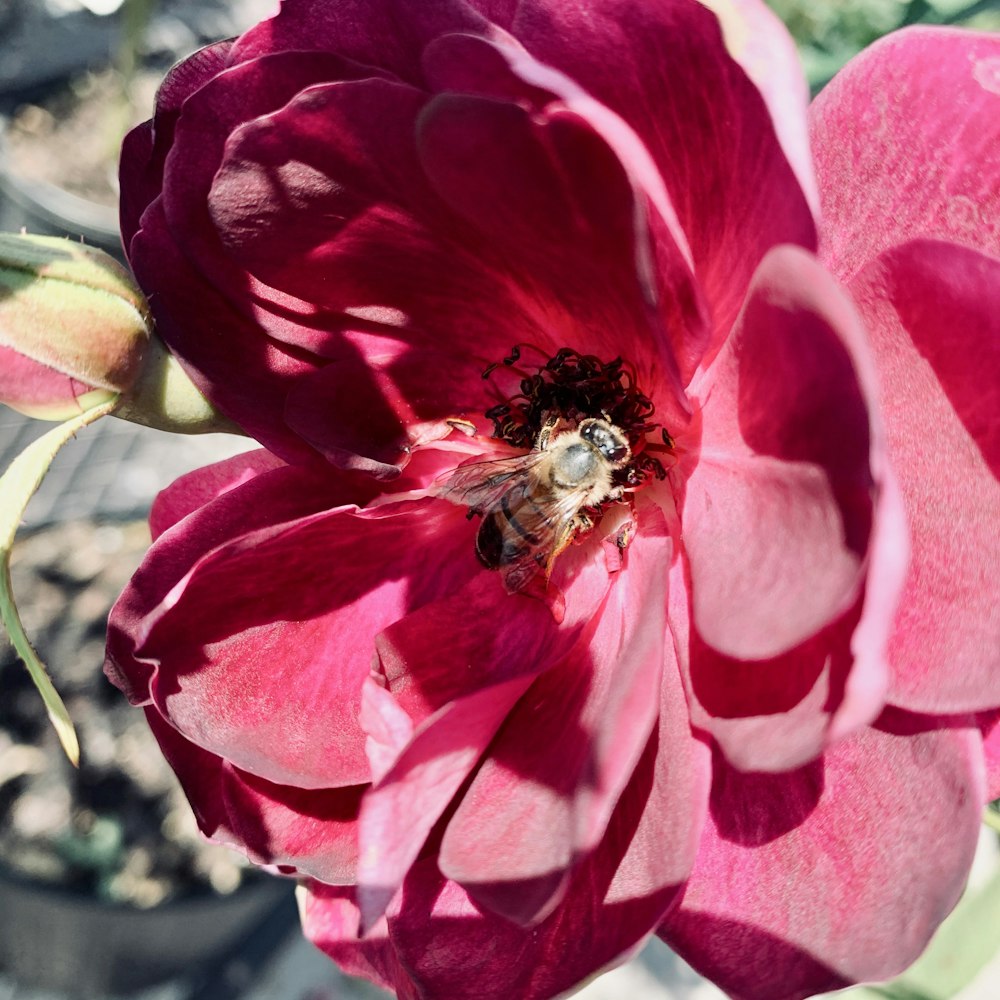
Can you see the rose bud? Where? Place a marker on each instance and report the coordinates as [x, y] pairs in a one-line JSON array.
[[73, 326]]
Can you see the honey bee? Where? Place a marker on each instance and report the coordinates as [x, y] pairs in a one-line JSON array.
[[533, 505]]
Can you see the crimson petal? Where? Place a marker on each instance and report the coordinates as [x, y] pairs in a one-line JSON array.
[[145, 148], [714, 145], [438, 943]]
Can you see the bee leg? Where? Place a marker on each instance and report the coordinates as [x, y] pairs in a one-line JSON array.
[[546, 433], [579, 523]]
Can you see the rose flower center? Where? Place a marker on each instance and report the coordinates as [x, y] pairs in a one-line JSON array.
[[582, 425]]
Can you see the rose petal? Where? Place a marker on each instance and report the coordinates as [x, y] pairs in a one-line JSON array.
[[541, 799], [894, 159], [456, 696], [585, 218], [331, 919], [934, 313], [382, 33], [812, 880], [192, 611], [612, 900], [314, 832], [275, 496], [369, 413], [715, 147], [758, 40], [777, 513], [400, 811], [145, 148], [193, 491], [284, 703]]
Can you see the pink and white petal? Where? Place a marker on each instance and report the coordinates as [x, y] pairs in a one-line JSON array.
[[778, 505], [542, 797], [261, 650], [707, 129], [907, 145], [451, 948], [933, 310], [312, 831], [815, 879]]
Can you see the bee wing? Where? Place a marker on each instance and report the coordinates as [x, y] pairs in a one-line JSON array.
[[481, 485], [538, 529]]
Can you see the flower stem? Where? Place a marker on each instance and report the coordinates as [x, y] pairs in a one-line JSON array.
[[17, 486]]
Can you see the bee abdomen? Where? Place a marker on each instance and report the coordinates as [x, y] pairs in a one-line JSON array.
[[503, 537]]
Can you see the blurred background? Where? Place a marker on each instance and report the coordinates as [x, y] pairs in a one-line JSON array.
[[106, 889]]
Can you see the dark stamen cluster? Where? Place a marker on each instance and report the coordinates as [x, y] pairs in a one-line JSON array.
[[575, 386]]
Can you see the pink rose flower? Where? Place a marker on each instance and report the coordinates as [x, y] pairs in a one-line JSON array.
[[623, 637]]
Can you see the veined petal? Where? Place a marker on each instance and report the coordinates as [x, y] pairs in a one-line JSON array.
[[713, 143], [250, 493], [933, 310], [201, 619], [851, 834], [457, 694], [541, 799], [778, 504], [449, 947], [907, 145], [313, 832]]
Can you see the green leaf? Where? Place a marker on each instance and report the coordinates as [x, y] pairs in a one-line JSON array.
[[17, 486]]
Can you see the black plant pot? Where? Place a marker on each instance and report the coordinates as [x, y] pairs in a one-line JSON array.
[[44, 209], [55, 939]]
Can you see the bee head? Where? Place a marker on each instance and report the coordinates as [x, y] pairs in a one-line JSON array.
[[607, 439]]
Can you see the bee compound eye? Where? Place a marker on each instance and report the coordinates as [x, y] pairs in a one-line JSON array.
[[606, 439]]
